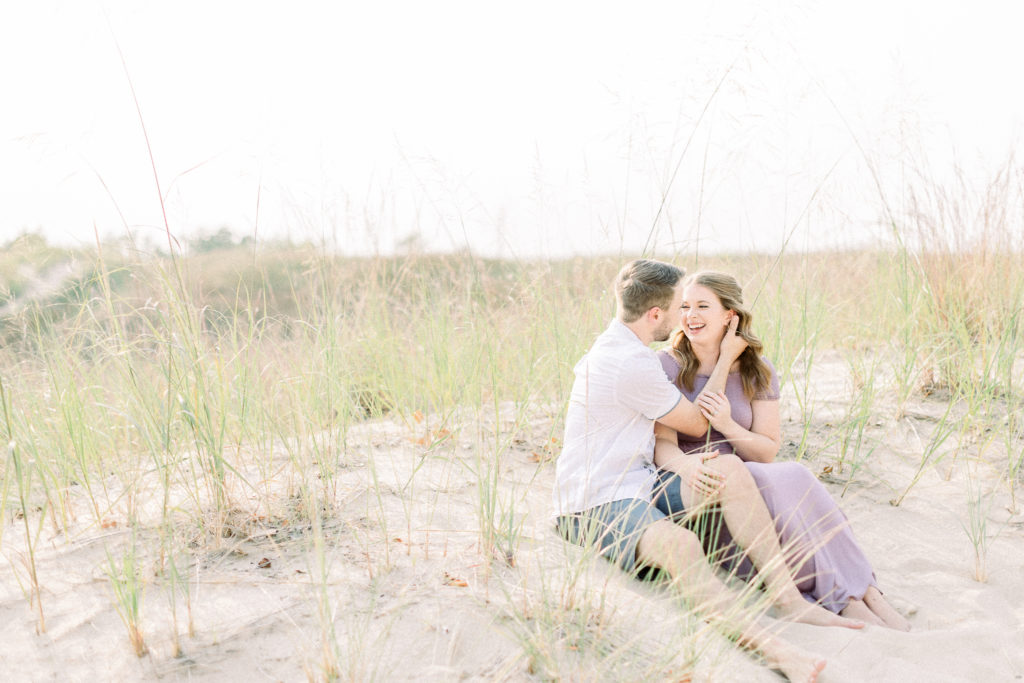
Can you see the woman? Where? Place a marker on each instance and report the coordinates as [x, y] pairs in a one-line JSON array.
[[830, 567]]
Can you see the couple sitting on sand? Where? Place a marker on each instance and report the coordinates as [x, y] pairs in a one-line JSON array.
[[655, 442]]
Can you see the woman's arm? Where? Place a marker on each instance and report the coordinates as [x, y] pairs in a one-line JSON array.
[[729, 351], [761, 442], [688, 418]]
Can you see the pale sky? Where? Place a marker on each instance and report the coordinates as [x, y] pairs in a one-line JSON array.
[[520, 129]]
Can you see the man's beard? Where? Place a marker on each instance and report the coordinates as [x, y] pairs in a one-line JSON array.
[[663, 334]]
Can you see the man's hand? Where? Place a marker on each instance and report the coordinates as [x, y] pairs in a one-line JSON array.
[[702, 478], [732, 344]]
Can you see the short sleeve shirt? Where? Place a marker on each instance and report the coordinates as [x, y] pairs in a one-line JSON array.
[[618, 392]]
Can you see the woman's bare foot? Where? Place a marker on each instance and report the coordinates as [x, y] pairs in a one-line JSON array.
[[856, 609], [874, 600], [804, 612], [795, 664]]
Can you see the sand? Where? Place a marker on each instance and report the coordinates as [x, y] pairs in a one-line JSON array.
[[397, 581]]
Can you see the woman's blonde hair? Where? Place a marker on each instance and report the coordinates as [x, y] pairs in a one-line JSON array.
[[755, 372]]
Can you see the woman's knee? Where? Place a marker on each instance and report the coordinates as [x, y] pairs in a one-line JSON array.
[[734, 471], [728, 464]]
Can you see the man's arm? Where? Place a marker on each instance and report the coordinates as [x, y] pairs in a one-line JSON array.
[[667, 455], [696, 475], [685, 418]]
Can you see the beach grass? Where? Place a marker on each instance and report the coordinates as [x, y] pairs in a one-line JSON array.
[[279, 398]]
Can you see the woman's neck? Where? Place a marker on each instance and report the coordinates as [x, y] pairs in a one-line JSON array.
[[707, 357]]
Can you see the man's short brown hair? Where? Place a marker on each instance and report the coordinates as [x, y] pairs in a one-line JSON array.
[[643, 284]]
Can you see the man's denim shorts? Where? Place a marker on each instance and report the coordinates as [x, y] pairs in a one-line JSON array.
[[615, 528]]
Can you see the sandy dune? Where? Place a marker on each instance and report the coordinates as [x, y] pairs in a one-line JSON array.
[[397, 581]]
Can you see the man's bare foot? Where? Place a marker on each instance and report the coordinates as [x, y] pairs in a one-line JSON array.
[[795, 664], [804, 612], [856, 609], [883, 610]]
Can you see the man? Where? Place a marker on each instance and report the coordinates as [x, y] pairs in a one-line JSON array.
[[605, 476]]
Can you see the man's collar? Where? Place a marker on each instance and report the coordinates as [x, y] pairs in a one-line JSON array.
[[625, 331]]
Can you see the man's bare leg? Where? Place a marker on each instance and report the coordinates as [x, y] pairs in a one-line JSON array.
[[678, 551], [795, 664], [751, 525]]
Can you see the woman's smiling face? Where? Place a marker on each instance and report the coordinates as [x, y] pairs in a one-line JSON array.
[[704, 317]]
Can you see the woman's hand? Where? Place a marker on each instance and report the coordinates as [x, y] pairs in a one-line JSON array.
[[716, 410], [732, 345]]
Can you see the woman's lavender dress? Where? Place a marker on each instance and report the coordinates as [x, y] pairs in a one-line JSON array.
[[814, 533]]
